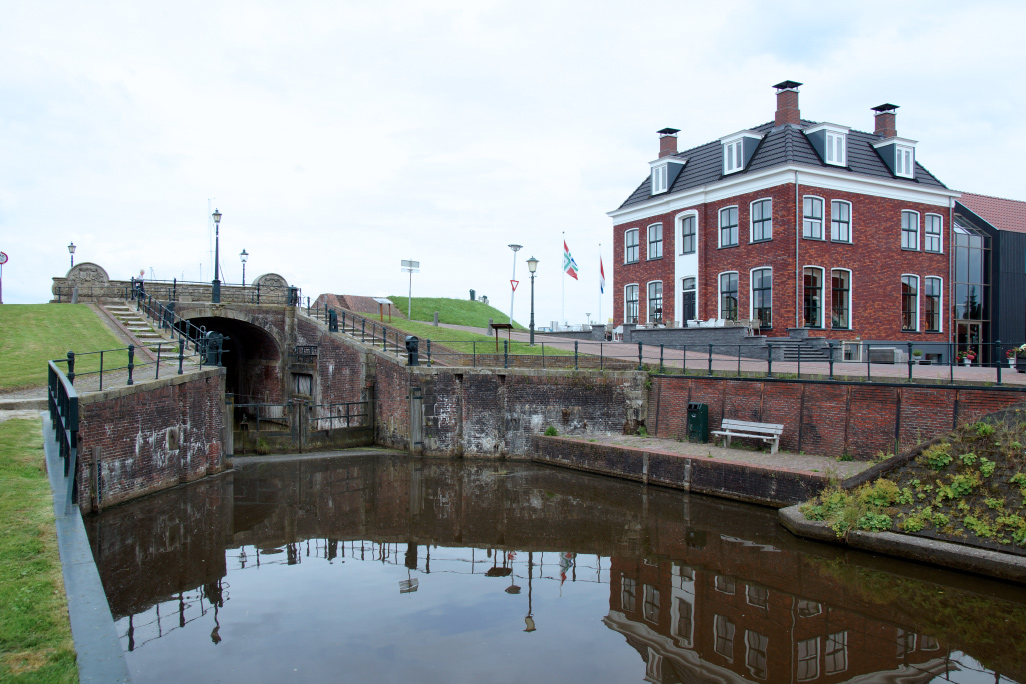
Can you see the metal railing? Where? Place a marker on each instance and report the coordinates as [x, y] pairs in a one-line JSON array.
[[173, 290], [62, 400], [123, 363], [338, 415]]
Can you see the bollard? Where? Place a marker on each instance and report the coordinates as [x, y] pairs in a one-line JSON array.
[[830, 345], [769, 360], [131, 363], [710, 360], [71, 367], [909, 361], [639, 355], [662, 368], [181, 354], [575, 354], [505, 353]]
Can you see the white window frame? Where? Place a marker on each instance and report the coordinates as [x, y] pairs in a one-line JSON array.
[[822, 296], [728, 627], [638, 300], [850, 298], [648, 241], [719, 226], [733, 156], [626, 247], [751, 292], [940, 234], [812, 655], [904, 161], [829, 657], [662, 298], [832, 140], [851, 238], [901, 303], [763, 641], [822, 218], [903, 231], [751, 219], [940, 304], [681, 218], [660, 173], [719, 293]]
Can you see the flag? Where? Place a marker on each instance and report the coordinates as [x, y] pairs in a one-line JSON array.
[[602, 277], [569, 265]]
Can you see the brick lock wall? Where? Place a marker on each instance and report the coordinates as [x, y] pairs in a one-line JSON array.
[[827, 419], [875, 258]]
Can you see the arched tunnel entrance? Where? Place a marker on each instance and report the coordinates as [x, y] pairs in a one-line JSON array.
[[252, 359]]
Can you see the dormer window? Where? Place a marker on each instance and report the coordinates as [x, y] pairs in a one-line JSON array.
[[899, 154], [835, 149], [733, 154], [665, 172], [659, 178], [738, 150], [904, 161], [830, 142]]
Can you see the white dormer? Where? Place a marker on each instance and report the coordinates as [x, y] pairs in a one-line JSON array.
[[899, 154], [830, 141], [738, 149], [664, 172]]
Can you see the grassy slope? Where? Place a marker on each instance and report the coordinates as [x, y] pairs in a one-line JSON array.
[[35, 635], [454, 311], [462, 341], [32, 334]]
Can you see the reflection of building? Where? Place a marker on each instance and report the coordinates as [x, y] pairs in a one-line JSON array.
[[693, 624]]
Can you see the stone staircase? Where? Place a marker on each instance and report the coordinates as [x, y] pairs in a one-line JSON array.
[[804, 350], [146, 332]]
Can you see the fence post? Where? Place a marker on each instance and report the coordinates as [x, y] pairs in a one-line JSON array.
[[157, 374], [473, 354], [181, 354], [101, 369], [363, 329], [639, 355], [71, 367], [505, 353], [575, 354], [909, 360], [662, 367], [951, 363], [710, 359], [384, 338], [429, 353], [684, 359], [131, 363], [601, 362], [997, 346], [543, 356], [830, 345], [769, 359]]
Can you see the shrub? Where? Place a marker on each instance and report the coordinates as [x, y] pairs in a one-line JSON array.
[[551, 431], [968, 459], [880, 494], [876, 522], [642, 431], [938, 456], [913, 523], [987, 467], [983, 429]]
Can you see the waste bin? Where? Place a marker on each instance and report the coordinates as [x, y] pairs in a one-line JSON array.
[[412, 353], [698, 422]]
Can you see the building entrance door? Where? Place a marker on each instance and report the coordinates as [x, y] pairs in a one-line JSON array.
[[689, 310], [968, 338]]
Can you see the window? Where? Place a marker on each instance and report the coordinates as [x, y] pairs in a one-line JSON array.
[[651, 603], [840, 221], [835, 149], [835, 655], [728, 296], [757, 596], [724, 631], [755, 656], [932, 288], [689, 308], [972, 274], [659, 179], [909, 230], [932, 240], [630, 246], [906, 643], [688, 236], [655, 302], [724, 584], [840, 299], [655, 241], [728, 227], [813, 278], [685, 620], [762, 296], [732, 156], [630, 300], [808, 659], [808, 608], [909, 302], [762, 220], [904, 161], [628, 588], [812, 225]]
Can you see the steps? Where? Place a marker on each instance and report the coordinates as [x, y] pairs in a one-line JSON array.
[[795, 350], [143, 329]]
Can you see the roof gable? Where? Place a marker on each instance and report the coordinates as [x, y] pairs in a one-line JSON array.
[[1003, 214]]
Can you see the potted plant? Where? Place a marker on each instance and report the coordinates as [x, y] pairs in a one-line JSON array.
[[1010, 355], [967, 357], [1020, 359], [917, 356]]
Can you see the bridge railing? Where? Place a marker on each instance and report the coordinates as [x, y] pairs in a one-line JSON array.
[[123, 365], [62, 400]]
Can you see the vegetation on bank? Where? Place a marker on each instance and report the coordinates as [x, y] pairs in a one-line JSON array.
[[453, 311], [32, 334], [968, 487], [35, 633], [468, 342]]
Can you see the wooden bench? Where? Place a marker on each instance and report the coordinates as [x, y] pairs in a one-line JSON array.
[[767, 432]]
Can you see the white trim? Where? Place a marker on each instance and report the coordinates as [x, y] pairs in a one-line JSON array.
[[919, 230], [648, 241], [662, 297], [719, 228], [851, 221], [940, 306], [751, 220], [919, 308], [822, 219], [638, 300], [851, 284], [742, 134], [822, 297], [731, 151], [678, 222], [827, 126], [719, 292], [625, 234], [660, 173], [908, 142], [751, 292], [812, 176], [909, 172], [941, 235]]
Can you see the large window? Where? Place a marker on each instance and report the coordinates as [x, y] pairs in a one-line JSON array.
[[909, 230], [755, 656], [840, 221], [909, 302], [728, 227], [932, 288], [835, 655], [655, 241], [630, 304], [689, 308], [812, 224], [630, 246], [932, 241], [840, 299], [688, 235], [655, 302], [808, 659], [628, 592], [728, 296], [813, 297], [724, 631], [762, 296], [651, 606], [762, 220], [971, 274]]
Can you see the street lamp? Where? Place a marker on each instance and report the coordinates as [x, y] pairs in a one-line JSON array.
[[512, 283], [532, 266], [215, 284], [71, 251], [243, 256]]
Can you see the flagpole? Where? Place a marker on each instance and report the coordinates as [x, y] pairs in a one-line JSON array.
[[562, 310], [600, 289]]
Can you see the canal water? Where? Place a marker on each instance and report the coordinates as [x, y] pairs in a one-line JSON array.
[[385, 569]]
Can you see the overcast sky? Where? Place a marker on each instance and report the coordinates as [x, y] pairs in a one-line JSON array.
[[338, 138]]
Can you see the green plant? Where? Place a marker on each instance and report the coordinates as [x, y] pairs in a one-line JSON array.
[[938, 456], [642, 431], [875, 522], [879, 494], [913, 523], [982, 429], [987, 467], [551, 431], [845, 457], [917, 353], [968, 459]]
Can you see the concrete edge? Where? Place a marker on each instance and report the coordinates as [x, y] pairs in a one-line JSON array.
[[98, 651], [995, 564], [23, 404]]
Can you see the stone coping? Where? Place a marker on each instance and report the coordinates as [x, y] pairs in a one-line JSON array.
[[94, 397], [945, 554]]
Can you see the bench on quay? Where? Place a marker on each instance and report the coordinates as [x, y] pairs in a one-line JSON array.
[[767, 432]]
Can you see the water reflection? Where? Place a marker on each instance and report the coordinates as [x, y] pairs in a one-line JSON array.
[[392, 569]]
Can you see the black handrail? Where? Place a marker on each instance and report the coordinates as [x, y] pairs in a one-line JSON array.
[[62, 400]]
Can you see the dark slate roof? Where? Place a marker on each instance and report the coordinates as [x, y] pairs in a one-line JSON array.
[[781, 145]]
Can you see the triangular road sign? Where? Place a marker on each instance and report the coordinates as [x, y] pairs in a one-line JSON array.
[[514, 283]]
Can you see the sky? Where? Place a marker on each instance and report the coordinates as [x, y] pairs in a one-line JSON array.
[[338, 138]]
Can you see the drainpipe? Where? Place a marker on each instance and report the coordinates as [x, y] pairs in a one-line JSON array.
[[797, 263], [951, 273]]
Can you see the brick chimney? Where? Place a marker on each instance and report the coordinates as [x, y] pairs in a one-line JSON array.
[[886, 120], [787, 104], [668, 142]]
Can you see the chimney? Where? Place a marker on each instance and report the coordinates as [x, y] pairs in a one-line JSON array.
[[787, 104], [886, 121], [668, 142]]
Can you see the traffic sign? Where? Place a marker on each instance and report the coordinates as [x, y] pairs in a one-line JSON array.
[[3, 258], [514, 283]]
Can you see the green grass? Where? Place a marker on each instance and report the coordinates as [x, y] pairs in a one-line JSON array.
[[32, 334], [462, 341], [35, 634], [453, 311]]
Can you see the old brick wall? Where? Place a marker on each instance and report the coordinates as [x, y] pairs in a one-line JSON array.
[[151, 436], [827, 418]]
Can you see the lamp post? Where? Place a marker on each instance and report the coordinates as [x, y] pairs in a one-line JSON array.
[[215, 284], [512, 284], [532, 266], [243, 256], [71, 251]]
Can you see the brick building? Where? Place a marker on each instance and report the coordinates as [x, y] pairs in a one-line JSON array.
[[814, 228]]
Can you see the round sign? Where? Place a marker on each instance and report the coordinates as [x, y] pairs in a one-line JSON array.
[[3, 258]]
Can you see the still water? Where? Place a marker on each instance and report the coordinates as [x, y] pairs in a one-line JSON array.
[[382, 569]]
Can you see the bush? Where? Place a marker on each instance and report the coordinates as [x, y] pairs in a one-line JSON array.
[[938, 456], [551, 431]]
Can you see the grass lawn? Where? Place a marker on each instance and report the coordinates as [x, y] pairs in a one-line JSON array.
[[35, 634], [453, 311], [463, 341], [32, 334]]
